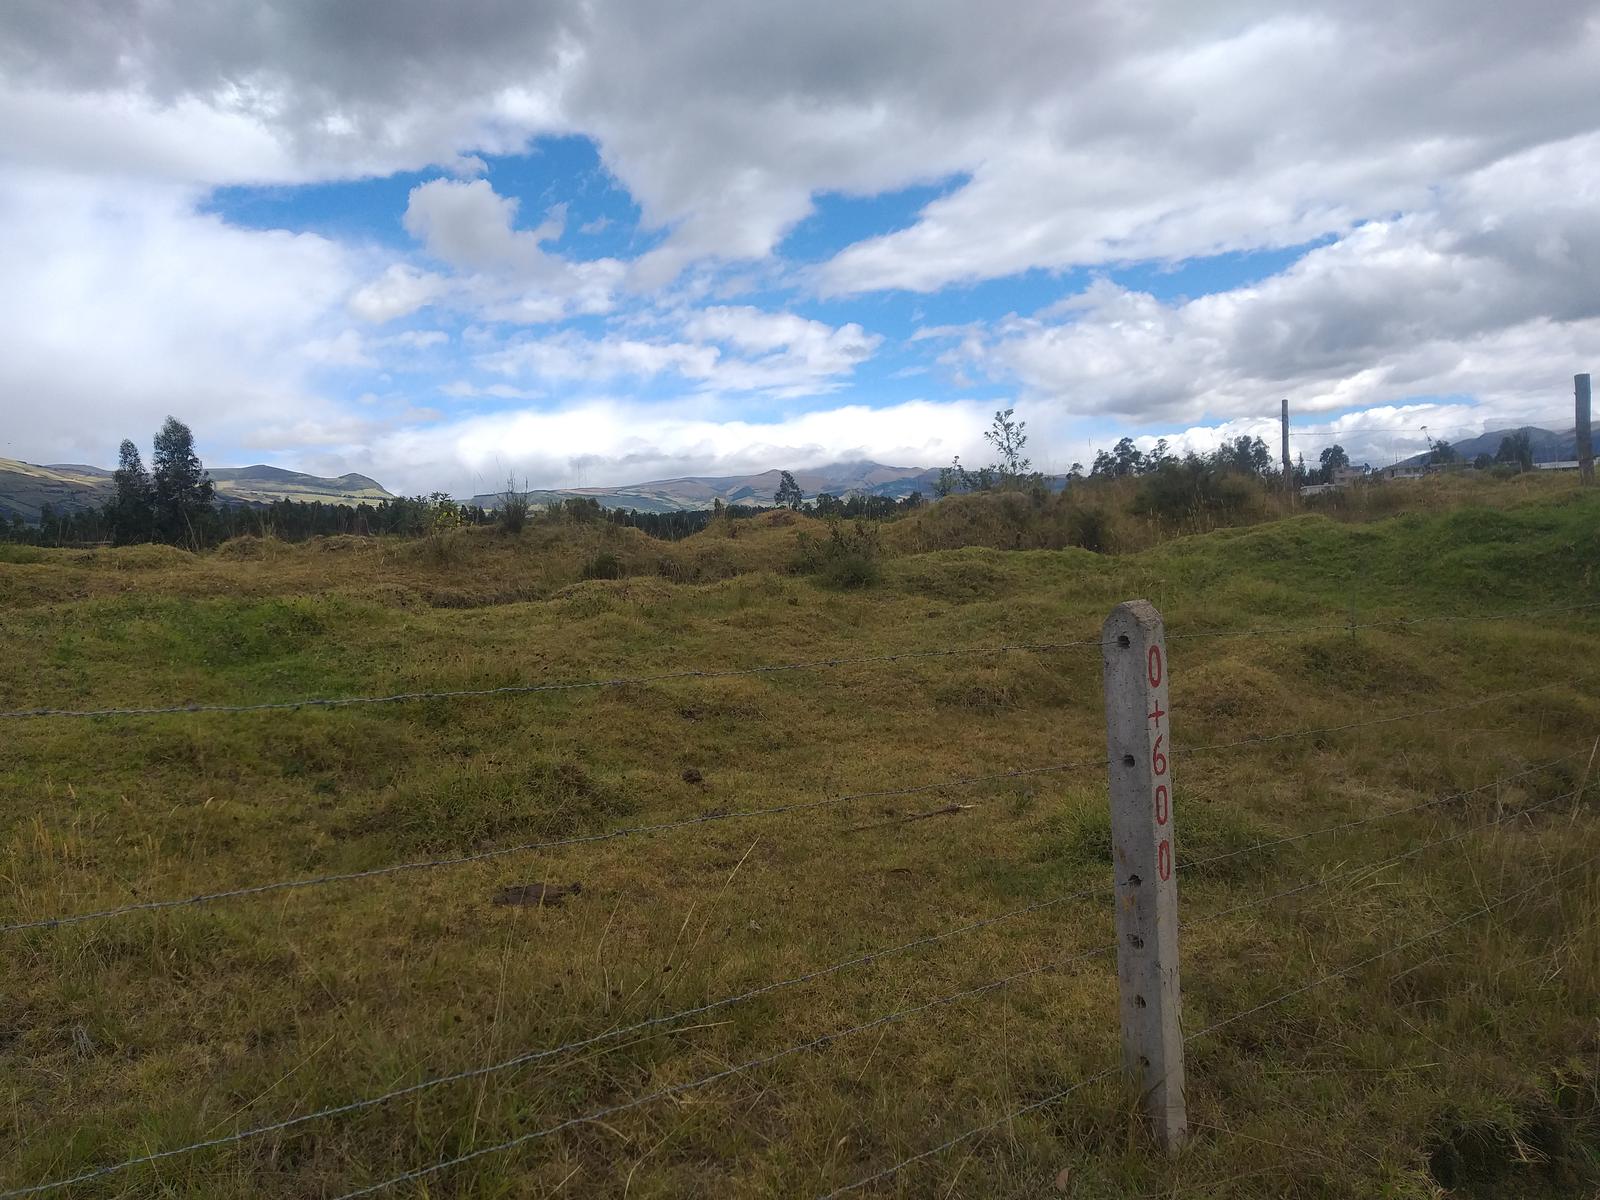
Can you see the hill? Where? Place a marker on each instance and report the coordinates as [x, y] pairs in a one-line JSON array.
[[25, 488], [695, 492], [1548, 446]]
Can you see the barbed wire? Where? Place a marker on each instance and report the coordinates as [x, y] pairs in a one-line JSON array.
[[1056, 1097], [700, 1010], [1382, 816], [767, 669], [1395, 949], [528, 847], [534, 1056], [818, 1043], [1266, 738], [530, 1057], [1397, 622], [709, 818], [522, 689]]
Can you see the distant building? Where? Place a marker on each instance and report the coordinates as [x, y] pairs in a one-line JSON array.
[[1401, 471], [1556, 466]]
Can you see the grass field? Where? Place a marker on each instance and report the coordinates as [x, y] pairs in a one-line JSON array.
[[1466, 1064]]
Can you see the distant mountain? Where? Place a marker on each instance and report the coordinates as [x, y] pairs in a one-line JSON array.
[[26, 487], [699, 492], [1547, 446]]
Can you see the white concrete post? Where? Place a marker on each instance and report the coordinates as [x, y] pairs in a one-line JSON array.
[[1139, 746]]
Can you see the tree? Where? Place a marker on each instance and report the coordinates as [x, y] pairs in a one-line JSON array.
[[183, 491], [1442, 453], [1483, 462], [788, 494], [1244, 454], [131, 512], [1158, 457], [1333, 457], [1516, 448], [1009, 438]]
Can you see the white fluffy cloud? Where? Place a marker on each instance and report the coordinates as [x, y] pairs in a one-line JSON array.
[[124, 304], [718, 349], [1490, 293], [1090, 133], [604, 442]]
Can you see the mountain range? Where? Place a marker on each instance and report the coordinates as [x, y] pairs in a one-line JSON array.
[[1547, 446], [700, 491], [25, 488]]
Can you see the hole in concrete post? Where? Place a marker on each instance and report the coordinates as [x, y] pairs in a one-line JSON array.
[[1138, 1001], [1124, 640], [1136, 941], [1127, 760]]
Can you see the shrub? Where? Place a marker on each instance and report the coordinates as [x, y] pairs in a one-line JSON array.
[[1090, 529], [844, 559], [514, 507], [604, 565]]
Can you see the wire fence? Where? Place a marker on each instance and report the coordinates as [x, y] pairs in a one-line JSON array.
[[816, 664], [678, 1018]]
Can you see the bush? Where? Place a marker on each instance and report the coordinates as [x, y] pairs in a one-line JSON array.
[[1192, 489], [844, 560], [1090, 529], [604, 565], [513, 508]]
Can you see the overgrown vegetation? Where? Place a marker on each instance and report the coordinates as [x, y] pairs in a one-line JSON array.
[[1467, 1062]]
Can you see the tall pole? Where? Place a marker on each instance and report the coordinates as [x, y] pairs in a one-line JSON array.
[[1288, 471], [1580, 403], [1145, 878]]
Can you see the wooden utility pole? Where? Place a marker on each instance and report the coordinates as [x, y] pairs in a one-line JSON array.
[[1139, 746], [1288, 471], [1580, 402]]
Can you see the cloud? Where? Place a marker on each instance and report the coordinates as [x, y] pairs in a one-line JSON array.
[[720, 350], [124, 304], [1488, 294], [604, 442], [498, 271], [400, 291], [1083, 133]]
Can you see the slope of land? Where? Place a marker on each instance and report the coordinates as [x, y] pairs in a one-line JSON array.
[[25, 487], [1465, 1060]]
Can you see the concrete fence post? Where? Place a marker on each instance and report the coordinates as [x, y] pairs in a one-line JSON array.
[[1580, 423], [1139, 748]]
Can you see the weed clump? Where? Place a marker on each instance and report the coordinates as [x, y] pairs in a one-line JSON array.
[[604, 565], [845, 559]]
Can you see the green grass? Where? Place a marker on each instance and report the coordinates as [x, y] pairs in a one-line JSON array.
[[1468, 1062]]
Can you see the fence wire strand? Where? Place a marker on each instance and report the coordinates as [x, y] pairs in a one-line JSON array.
[[534, 1056], [528, 847], [1396, 622], [1056, 1097], [818, 664], [739, 814], [653, 1022], [523, 689]]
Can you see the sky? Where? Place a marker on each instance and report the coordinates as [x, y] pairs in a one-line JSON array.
[[587, 244]]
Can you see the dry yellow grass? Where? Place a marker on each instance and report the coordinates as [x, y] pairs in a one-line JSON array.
[[1466, 1061]]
